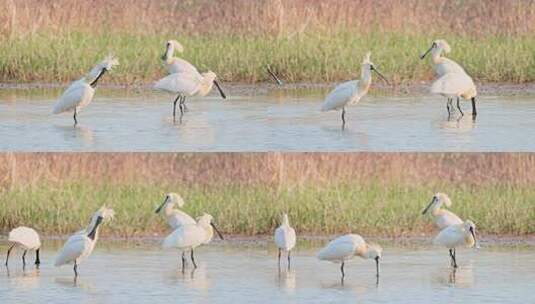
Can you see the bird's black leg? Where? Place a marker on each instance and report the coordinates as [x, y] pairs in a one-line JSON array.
[[289, 259], [75, 120], [193, 259], [183, 260], [174, 106], [343, 274], [24, 257], [37, 260], [279, 258], [8, 252], [183, 103], [459, 107], [75, 269], [453, 261], [474, 111], [343, 118]]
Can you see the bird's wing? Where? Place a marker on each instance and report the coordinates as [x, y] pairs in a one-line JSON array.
[[179, 65], [452, 84], [340, 96], [184, 237], [27, 237], [78, 94], [449, 236], [184, 83], [450, 66], [180, 218], [340, 248], [285, 237], [448, 218], [72, 250]]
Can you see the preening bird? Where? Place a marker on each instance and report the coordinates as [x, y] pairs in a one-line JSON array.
[[174, 64], [80, 245], [350, 92], [175, 217], [27, 239], [454, 236], [348, 246], [442, 217], [80, 93], [453, 82], [285, 238], [188, 84], [191, 236]]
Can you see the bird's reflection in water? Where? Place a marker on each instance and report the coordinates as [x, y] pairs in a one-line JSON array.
[[461, 277], [26, 279], [286, 279], [81, 134], [461, 124], [196, 278]]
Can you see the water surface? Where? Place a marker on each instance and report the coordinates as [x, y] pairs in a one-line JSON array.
[[241, 274], [276, 121]]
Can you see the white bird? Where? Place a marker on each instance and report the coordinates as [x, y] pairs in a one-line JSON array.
[[453, 81], [442, 217], [175, 217], [453, 236], [188, 84], [350, 92], [191, 236], [80, 245], [346, 247], [285, 238], [27, 239], [80, 93], [175, 64]]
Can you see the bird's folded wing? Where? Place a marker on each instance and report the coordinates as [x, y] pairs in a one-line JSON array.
[[178, 83], [76, 93], [452, 84], [338, 97], [73, 249]]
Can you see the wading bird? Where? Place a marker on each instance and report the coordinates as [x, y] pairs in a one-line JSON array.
[[285, 238], [346, 247], [175, 64], [442, 217], [191, 236], [454, 236], [350, 92], [27, 239], [80, 245], [80, 93], [175, 217], [453, 81], [187, 85]]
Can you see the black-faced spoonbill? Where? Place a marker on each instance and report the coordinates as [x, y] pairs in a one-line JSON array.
[[454, 236], [187, 85], [285, 238], [80, 245], [453, 81], [442, 217], [175, 64], [175, 217], [80, 93], [189, 237], [350, 92], [27, 239], [348, 246]]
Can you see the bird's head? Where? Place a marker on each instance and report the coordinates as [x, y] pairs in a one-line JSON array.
[[171, 199], [210, 77], [439, 45], [471, 228], [206, 220], [368, 67], [170, 47]]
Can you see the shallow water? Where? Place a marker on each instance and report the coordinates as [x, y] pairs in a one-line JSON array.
[[241, 274], [280, 120]]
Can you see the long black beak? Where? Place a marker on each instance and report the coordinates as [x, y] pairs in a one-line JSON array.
[[428, 206], [217, 230], [94, 83], [164, 56], [425, 54], [220, 90], [474, 236], [161, 206], [380, 75], [377, 265], [93, 232], [277, 80]]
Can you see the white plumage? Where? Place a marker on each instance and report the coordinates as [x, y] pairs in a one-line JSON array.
[[175, 64], [80, 93], [285, 237], [451, 237], [191, 236], [27, 239], [442, 217], [346, 247], [350, 92], [453, 82], [175, 217], [81, 244]]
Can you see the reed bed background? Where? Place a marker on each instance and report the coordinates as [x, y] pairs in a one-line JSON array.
[[304, 41], [371, 193]]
